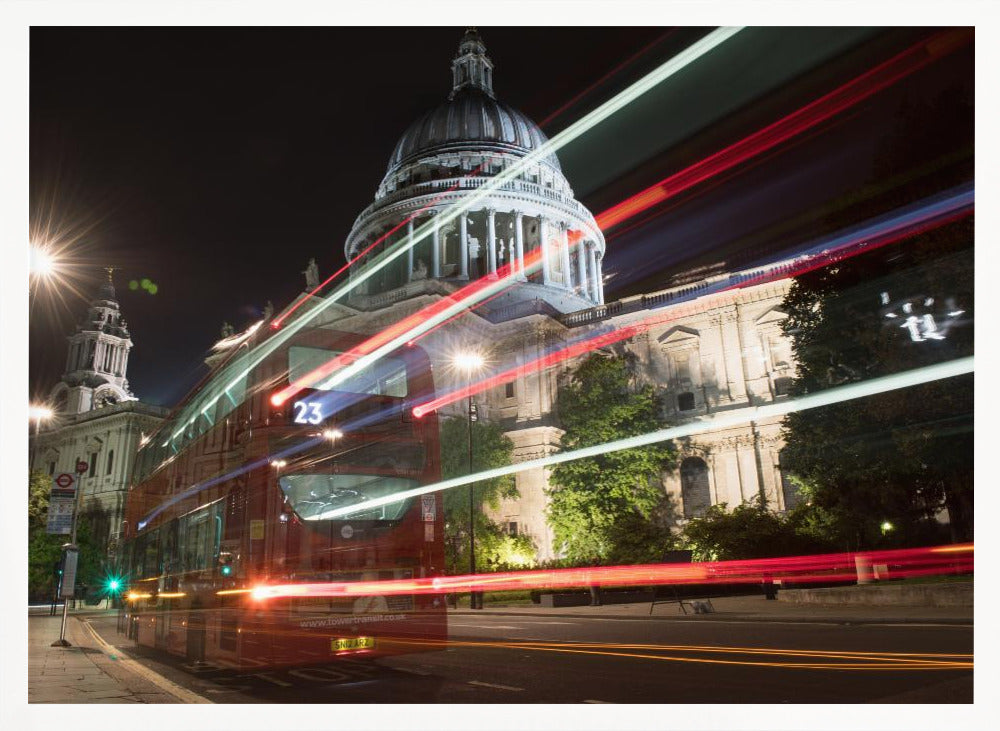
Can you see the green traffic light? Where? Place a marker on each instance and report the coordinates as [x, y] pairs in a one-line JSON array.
[[226, 570]]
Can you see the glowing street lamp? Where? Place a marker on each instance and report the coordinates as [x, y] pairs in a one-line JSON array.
[[471, 363], [42, 263], [38, 414], [886, 527]]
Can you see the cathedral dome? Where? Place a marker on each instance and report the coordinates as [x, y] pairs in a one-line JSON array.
[[475, 155], [471, 115]]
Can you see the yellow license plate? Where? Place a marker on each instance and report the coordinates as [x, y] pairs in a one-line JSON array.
[[346, 644]]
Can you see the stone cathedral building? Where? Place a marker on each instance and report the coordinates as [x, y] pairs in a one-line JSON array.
[[97, 422], [719, 353]]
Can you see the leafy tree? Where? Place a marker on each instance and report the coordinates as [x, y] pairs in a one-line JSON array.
[[495, 550], [610, 507], [751, 530], [45, 550], [39, 486], [903, 455]]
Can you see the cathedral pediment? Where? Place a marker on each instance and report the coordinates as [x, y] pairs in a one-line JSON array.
[[678, 334], [774, 314]]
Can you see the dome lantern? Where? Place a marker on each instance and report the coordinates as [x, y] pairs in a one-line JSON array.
[[472, 68]]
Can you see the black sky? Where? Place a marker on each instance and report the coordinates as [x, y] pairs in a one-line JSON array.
[[216, 162]]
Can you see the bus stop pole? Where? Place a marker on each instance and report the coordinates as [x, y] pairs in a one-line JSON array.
[[66, 573]]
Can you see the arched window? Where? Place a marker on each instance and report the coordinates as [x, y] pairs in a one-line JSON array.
[[695, 493], [111, 461]]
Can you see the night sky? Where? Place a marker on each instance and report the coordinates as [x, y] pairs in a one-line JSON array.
[[216, 162]]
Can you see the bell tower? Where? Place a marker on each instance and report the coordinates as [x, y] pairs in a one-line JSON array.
[[97, 357]]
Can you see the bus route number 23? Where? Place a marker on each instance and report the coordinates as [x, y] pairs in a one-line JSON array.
[[308, 412]]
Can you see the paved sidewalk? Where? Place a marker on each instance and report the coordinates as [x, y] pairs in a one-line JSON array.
[[746, 608], [90, 671]]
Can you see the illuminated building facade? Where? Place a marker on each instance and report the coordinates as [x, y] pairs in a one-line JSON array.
[[97, 421], [726, 355]]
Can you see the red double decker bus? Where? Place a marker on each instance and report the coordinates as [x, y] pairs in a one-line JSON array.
[[232, 494]]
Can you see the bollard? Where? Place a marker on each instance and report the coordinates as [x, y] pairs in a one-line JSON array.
[[863, 565]]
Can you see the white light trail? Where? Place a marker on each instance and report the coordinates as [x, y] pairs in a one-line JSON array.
[[906, 379], [575, 130]]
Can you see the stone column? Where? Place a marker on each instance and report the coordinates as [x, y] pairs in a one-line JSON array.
[[600, 280], [435, 246], [581, 263], [464, 244], [731, 351], [592, 266], [544, 244], [519, 241], [409, 250], [491, 240], [564, 256]]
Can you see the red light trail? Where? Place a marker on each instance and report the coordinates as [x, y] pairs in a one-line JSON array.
[[836, 101], [822, 568], [466, 296], [844, 97], [865, 240]]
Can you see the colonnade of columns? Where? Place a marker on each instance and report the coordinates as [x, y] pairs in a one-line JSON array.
[[558, 268], [107, 357]]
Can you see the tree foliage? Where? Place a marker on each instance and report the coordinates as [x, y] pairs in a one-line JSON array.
[[45, 550], [611, 507], [495, 549], [902, 455], [752, 530]]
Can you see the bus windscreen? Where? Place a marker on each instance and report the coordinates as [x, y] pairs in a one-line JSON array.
[[313, 495]]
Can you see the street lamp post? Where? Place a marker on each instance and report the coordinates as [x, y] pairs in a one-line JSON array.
[[471, 363], [475, 597]]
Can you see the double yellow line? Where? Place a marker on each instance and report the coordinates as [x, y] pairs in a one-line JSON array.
[[813, 659]]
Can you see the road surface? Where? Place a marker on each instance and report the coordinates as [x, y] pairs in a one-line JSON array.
[[557, 659]]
